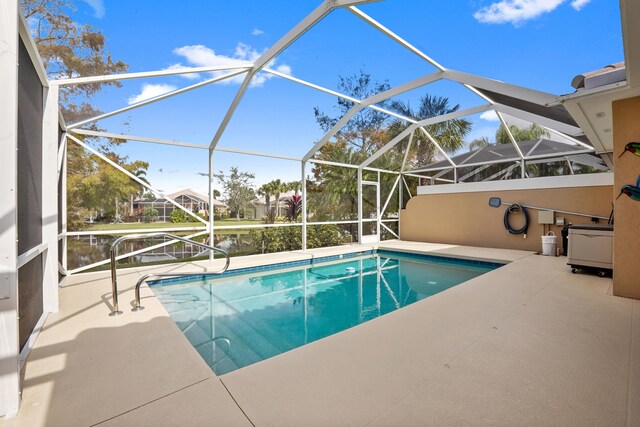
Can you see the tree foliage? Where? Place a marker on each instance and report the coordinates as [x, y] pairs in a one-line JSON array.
[[362, 132], [150, 214], [68, 48], [333, 190], [450, 134], [95, 187], [281, 239], [529, 133], [178, 216], [238, 189]]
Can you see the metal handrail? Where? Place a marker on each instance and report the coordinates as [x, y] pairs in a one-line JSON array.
[[114, 256], [136, 301]]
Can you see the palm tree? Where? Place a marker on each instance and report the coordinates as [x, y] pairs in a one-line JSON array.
[[294, 186], [272, 188], [333, 191], [141, 173], [266, 190], [449, 134], [278, 187], [531, 133], [479, 143]]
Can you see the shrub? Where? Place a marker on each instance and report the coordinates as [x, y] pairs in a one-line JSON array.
[[281, 239], [150, 214], [320, 236], [178, 216], [277, 239]]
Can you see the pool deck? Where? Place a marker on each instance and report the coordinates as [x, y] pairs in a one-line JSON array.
[[526, 344]]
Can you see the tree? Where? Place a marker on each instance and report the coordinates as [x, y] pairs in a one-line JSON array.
[[216, 194], [267, 190], [238, 188], [363, 131], [531, 133], [449, 135], [294, 186], [273, 188], [70, 49], [141, 173], [478, 143], [333, 190], [94, 185]]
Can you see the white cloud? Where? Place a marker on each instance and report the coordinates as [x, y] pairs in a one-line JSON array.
[[517, 12], [490, 116], [579, 4], [193, 76], [243, 55], [259, 32], [284, 69], [149, 91], [97, 6]]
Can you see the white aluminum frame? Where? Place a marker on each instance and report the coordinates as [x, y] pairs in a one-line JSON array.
[[154, 99], [470, 81], [9, 347], [135, 178]]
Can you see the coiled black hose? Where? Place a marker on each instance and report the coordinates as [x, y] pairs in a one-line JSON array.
[[515, 208]]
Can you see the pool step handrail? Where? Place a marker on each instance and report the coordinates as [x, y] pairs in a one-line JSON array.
[[195, 275], [114, 255]]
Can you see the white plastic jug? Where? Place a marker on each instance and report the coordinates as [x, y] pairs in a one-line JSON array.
[[549, 244]]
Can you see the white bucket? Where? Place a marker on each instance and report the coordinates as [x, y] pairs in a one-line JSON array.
[[549, 244]]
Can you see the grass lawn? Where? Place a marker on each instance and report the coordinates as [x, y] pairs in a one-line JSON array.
[[149, 225]]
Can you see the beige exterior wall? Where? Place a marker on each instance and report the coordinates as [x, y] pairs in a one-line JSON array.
[[467, 219], [626, 246]]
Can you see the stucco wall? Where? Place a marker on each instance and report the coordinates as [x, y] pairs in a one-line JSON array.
[[467, 219], [626, 246]]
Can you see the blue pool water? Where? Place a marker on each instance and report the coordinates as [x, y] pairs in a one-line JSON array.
[[237, 320]]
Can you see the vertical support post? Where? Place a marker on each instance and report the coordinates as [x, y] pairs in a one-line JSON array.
[[50, 141], [306, 304], [378, 213], [211, 208], [523, 168], [9, 347], [212, 315], [359, 205], [360, 288], [63, 197], [455, 176], [303, 188], [400, 191]]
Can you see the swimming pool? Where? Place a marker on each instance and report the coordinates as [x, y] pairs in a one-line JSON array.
[[245, 317]]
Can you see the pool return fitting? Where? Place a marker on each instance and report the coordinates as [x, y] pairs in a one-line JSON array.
[[114, 273]]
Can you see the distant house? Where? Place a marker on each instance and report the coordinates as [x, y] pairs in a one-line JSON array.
[[260, 207], [192, 200]]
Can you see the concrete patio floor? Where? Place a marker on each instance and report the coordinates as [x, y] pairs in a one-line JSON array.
[[527, 344]]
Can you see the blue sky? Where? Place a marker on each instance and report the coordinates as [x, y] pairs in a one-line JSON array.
[[540, 44]]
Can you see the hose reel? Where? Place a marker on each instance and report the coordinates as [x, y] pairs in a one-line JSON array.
[[514, 209]]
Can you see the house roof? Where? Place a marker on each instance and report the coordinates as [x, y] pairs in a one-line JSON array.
[[198, 196], [189, 193]]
